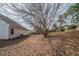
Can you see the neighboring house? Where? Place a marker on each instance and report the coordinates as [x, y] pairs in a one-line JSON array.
[[77, 28], [10, 29]]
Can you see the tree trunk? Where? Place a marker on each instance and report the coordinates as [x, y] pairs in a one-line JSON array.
[[46, 34]]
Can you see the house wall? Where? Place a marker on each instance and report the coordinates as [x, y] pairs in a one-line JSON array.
[[77, 28], [17, 32], [4, 33]]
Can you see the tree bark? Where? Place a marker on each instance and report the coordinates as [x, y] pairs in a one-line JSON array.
[[46, 34]]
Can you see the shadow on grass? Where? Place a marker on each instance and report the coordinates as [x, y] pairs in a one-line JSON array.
[[5, 43]]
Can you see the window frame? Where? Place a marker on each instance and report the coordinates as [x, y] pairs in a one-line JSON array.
[[12, 31]]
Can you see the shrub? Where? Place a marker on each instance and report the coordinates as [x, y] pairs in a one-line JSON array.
[[72, 26], [61, 29]]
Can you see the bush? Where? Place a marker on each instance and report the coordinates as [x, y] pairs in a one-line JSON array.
[[72, 26], [61, 29]]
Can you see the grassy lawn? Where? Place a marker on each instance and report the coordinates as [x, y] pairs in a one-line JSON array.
[[64, 43]]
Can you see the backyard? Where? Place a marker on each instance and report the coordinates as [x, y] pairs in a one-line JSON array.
[[65, 43], [43, 29]]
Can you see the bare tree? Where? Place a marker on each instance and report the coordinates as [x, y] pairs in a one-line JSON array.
[[37, 15]]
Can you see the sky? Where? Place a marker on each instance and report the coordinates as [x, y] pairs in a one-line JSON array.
[[19, 19]]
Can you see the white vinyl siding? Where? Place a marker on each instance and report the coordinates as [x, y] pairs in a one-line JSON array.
[[17, 32], [4, 33]]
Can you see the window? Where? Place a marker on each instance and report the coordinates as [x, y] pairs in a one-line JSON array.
[[12, 31]]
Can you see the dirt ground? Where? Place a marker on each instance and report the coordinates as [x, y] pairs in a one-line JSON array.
[[66, 44]]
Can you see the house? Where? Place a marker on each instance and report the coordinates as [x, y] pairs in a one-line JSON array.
[[77, 28], [10, 29]]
